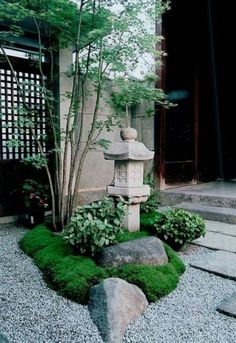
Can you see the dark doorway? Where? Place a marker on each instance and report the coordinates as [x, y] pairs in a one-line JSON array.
[[199, 139], [223, 56], [12, 171]]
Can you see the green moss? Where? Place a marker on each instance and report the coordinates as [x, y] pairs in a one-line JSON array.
[[147, 221], [155, 281], [174, 259], [129, 236], [72, 276], [36, 239], [52, 254]]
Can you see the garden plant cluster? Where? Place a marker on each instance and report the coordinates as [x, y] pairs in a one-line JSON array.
[[69, 260]]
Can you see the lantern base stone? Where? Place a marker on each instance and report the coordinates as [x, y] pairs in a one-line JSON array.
[[130, 192]]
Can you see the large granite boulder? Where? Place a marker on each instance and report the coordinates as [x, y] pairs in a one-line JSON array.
[[113, 305], [148, 250]]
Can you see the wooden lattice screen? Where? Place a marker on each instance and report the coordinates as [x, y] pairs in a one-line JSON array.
[[11, 118]]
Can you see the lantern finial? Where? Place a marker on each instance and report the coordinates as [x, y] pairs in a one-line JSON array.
[[128, 134]]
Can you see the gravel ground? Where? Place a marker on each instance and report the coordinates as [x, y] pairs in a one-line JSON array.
[[32, 313], [188, 314]]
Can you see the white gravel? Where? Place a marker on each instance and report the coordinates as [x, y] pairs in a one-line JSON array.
[[32, 313], [188, 314]]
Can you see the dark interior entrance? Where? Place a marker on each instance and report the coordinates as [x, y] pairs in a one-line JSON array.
[[12, 171], [196, 140]]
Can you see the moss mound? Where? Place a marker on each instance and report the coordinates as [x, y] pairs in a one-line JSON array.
[[37, 239], [147, 221], [130, 236], [72, 276]]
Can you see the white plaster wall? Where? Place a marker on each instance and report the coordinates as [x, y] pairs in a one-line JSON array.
[[144, 124], [145, 127], [97, 172]]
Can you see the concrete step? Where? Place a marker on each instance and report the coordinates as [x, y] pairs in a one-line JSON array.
[[218, 193], [220, 214]]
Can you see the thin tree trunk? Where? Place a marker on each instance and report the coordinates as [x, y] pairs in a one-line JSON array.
[[52, 123], [91, 133], [65, 166]]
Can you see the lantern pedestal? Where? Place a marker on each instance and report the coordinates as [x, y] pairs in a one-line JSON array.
[[132, 219]]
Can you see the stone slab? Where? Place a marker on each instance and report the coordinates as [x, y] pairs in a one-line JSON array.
[[217, 241], [228, 306], [221, 263], [219, 227]]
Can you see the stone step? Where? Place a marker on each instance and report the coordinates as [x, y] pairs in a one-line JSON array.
[[219, 236], [220, 227], [221, 263], [221, 214], [220, 194], [217, 241]]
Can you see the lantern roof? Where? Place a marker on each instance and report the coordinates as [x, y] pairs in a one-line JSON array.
[[128, 149]]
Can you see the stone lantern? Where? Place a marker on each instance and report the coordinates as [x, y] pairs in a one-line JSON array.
[[129, 156]]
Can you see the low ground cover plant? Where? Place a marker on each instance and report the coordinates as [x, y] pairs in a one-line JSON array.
[[73, 275]]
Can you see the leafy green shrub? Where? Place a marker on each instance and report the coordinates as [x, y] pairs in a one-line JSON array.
[[152, 204], [95, 226], [177, 227]]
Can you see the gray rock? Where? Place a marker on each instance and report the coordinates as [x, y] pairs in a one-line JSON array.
[[113, 305], [228, 306], [148, 250]]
